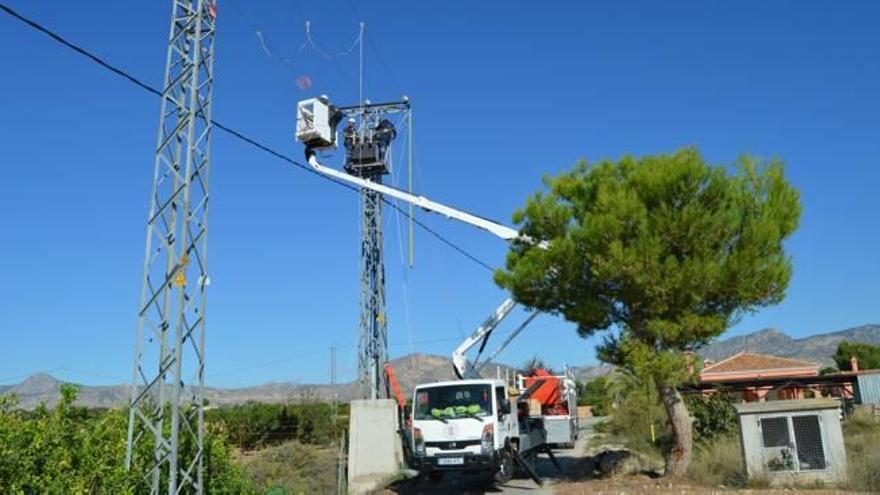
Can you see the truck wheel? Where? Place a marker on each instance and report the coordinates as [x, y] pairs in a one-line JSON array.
[[506, 467]]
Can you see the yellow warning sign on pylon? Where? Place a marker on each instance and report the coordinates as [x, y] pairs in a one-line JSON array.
[[180, 278]]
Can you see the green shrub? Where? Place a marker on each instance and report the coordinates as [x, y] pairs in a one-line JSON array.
[[714, 415], [62, 450], [292, 468], [254, 425], [69, 449], [73, 450], [595, 393]]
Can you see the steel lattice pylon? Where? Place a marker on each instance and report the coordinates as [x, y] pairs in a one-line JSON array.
[[368, 140], [166, 419], [373, 348]]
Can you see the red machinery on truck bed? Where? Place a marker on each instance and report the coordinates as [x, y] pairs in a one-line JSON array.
[[555, 398]]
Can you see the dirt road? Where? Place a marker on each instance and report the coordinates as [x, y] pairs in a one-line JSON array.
[[475, 484], [577, 478]]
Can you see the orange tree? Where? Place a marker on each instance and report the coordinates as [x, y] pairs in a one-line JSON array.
[[69, 449]]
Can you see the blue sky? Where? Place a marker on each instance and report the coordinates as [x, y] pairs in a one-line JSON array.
[[503, 94]]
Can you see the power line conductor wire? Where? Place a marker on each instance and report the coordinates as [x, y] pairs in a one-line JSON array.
[[229, 130]]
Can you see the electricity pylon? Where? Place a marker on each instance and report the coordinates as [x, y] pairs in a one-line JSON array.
[[367, 140], [166, 417]]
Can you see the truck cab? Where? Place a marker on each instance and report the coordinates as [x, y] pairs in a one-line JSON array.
[[464, 425]]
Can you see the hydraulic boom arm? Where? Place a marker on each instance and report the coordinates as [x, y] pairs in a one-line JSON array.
[[502, 231], [463, 368]]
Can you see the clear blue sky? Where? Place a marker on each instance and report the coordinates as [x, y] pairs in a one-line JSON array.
[[503, 92]]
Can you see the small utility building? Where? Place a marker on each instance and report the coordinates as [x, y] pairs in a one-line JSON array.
[[793, 441]]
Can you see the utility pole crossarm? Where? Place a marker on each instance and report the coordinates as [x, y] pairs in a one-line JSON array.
[[502, 231]]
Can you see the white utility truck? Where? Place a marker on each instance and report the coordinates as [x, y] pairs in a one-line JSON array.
[[471, 425]]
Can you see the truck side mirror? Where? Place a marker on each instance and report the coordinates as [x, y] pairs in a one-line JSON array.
[[505, 406]]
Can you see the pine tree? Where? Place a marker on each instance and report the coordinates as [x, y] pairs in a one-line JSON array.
[[665, 251]]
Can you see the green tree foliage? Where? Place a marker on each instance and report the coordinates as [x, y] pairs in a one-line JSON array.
[[595, 393], [667, 249], [69, 449], [62, 450], [714, 415], [868, 356], [256, 425]]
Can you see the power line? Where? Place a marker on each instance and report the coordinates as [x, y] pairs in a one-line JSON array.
[[80, 50], [234, 133]]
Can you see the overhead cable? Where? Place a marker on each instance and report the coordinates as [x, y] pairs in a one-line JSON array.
[[320, 51], [232, 132]]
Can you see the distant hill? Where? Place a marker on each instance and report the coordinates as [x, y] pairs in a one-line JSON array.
[[588, 373], [420, 368], [43, 388], [819, 348], [410, 370]]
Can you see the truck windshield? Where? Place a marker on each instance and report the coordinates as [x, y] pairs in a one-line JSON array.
[[453, 401]]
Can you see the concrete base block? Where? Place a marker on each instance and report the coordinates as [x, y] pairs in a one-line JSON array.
[[375, 455]]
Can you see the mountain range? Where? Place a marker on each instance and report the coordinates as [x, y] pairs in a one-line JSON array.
[[419, 368], [818, 348]]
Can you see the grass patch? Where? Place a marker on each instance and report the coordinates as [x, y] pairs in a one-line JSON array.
[[631, 423], [718, 463], [292, 468], [862, 437]]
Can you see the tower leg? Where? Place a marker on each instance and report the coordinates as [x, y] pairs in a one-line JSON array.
[[373, 347]]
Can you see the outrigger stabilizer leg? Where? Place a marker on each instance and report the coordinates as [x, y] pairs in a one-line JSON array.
[[527, 467], [547, 450]]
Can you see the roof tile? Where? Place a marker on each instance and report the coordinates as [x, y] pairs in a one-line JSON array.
[[748, 361]]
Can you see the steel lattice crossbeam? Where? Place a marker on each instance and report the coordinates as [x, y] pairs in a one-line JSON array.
[[166, 419]]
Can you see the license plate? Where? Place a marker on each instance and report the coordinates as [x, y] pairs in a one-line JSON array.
[[450, 461]]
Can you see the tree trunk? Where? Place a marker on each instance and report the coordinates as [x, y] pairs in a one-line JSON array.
[[682, 443]]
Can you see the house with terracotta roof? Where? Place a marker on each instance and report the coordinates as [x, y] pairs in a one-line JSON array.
[[759, 377], [752, 377], [747, 365]]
